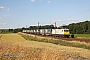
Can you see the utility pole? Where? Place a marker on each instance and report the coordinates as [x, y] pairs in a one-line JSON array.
[[26, 26], [38, 28], [18, 26], [55, 29], [55, 24], [38, 24]]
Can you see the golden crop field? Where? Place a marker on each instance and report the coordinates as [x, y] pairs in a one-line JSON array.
[[15, 47]]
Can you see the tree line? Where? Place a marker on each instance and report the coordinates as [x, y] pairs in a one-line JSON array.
[[4, 31], [79, 28], [29, 28]]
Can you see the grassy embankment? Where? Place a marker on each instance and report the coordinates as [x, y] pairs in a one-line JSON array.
[[82, 36], [33, 50], [57, 42]]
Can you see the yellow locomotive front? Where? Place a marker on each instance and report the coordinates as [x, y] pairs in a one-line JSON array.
[[66, 33]]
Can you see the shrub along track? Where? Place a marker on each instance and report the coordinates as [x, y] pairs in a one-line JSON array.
[[76, 39]]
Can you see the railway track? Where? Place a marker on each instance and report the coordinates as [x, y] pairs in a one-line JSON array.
[[69, 39]]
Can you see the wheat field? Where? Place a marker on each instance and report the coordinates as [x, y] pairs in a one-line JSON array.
[[15, 47]]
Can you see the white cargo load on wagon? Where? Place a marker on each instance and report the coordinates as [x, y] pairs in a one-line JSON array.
[[24, 31], [28, 31], [48, 31], [58, 31], [31, 31], [42, 31]]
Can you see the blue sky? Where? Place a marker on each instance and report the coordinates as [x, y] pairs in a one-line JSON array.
[[19, 13]]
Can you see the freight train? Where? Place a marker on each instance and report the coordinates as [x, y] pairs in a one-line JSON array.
[[50, 32]]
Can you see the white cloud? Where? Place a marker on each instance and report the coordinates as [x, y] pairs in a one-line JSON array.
[[57, 20], [0, 18], [1, 7], [32, 0], [85, 9], [72, 19], [71, 11], [6, 16], [49, 1], [4, 23], [40, 0], [8, 9], [60, 20], [47, 24]]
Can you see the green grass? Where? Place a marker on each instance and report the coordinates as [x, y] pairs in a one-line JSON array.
[[57, 42], [6, 32], [82, 36]]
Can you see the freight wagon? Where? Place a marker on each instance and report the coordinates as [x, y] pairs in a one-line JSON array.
[[50, 32]]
